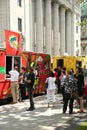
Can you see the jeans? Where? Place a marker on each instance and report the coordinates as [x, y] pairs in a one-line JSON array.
[[30, 94]]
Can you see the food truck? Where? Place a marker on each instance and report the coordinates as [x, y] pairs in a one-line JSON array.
[[13, 55], [81, 61], [69, 62], [41, 63], [64, 61]]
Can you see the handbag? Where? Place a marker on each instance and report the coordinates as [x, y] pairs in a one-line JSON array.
[[74, 90], [75, 94], [46, 84]]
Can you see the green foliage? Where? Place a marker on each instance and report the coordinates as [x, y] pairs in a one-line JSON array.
[[80, 1], [82, 23], [83, 126]]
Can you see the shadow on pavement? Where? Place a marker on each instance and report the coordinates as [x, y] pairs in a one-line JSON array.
[[75, 124]]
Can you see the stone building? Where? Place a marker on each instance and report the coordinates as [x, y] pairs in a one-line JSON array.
[[84, 29], [47, 26]]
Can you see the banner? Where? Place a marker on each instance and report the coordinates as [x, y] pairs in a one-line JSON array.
[[13, 43]]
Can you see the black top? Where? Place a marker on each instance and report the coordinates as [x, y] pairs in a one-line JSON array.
[[80, 80], [31, 77]]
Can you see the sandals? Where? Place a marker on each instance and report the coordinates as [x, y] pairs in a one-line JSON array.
[[80, 111]]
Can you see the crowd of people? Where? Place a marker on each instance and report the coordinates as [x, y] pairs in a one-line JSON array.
[[59, 81], [19, 82], [69, 84]]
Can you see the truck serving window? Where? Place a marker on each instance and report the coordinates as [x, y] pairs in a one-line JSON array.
[[60, 62], [8, 63], [12, 61]]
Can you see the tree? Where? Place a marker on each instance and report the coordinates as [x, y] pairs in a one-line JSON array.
[[79, 1], [83, 19]]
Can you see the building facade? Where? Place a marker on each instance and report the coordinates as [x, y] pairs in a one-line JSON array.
[[84, 28], [47, 26]]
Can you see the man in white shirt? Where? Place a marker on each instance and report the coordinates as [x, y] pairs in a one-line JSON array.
[[14, 74]]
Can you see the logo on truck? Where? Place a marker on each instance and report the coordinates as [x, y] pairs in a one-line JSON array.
[[13, 42]]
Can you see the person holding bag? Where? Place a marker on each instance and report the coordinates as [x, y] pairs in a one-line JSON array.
[[68, 87], [51, 89]]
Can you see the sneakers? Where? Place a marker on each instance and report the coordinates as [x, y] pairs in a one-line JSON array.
[[80, 111]]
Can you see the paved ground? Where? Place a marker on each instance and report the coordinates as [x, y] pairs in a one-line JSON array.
[[15, 117]]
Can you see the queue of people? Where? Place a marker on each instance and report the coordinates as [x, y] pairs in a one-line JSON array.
[[78, 78], [19, 82], [59, 81]]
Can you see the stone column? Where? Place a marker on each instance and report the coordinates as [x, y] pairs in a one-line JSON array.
[[39, 25], [31, 26], [48, 26], [68, 32], [62, 30], [56, 35], [72, 35], [26, 46]]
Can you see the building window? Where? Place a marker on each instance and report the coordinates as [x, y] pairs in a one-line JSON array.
[[76, 43], [20, 24], [83, 49], [83, 34], [76, 29], [19, 2]]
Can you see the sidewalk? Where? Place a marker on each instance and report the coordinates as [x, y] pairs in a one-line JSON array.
[[15, 117]]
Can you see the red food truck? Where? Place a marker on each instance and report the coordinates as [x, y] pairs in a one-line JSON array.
[[10, 57], [41, 64]]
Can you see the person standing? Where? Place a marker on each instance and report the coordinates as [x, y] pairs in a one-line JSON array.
[[80, 84], [22, 84], [68, 87], [62, 79], [59, 74], [14, 83], [85, 73], [56, 76], [51, 89], [30, 83]]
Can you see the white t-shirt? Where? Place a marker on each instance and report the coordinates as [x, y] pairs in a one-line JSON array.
[[51, 83], [14, 75]]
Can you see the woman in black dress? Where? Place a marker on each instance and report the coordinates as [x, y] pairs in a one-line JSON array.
[[80, 83]]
